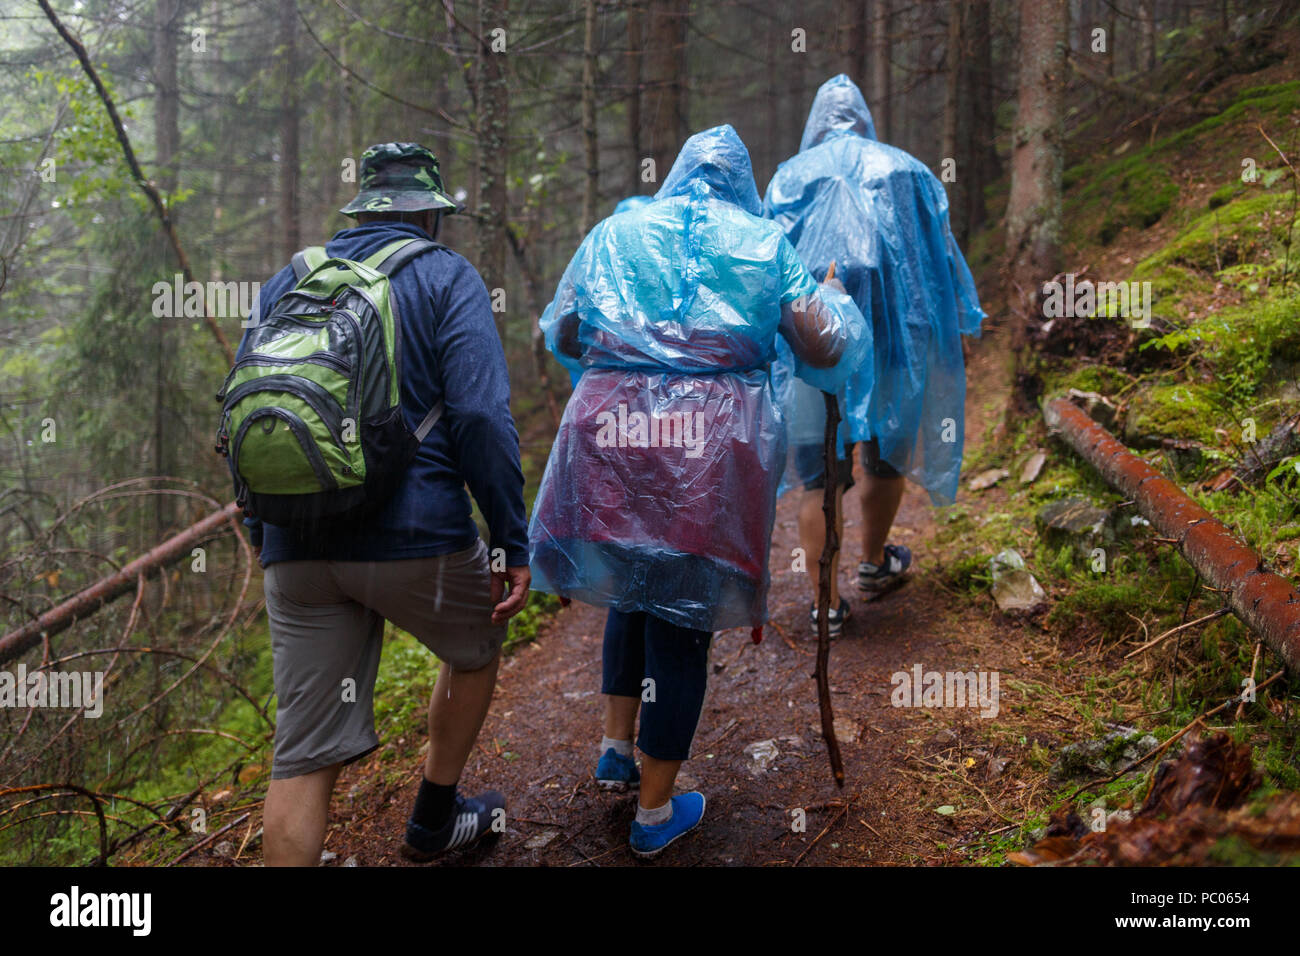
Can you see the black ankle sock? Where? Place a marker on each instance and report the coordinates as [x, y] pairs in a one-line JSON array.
[[433, 804]]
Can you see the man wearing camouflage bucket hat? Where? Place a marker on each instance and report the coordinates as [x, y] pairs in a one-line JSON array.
[[417, 560], [400, 177]]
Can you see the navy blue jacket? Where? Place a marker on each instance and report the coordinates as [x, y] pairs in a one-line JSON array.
[[450, 351]]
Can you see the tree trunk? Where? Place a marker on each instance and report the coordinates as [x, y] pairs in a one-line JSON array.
[[956, 115], [493, 107], [1147, 23], [635, 29], [881, 75], [983, 156], [665, 64], [1034, 204], [289, 80], [167, 99], [853, 52], [166, 146], [591, 194], [797, 101], [1112, 55]]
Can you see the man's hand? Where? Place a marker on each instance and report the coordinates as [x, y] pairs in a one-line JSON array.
[[517, 579]]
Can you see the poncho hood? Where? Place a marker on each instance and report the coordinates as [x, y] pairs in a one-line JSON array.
[[716, 163], [838, 110]]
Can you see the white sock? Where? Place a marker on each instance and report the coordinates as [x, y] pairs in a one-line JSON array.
[[621, 747], [648, 818]]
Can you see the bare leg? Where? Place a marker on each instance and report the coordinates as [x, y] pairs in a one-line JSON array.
[[880, 500], [620, 716], [657, 779], [812, 537], [459, 703], [294, 817]]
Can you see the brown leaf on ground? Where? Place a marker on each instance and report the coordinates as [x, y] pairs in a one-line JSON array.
[[1213, 772]]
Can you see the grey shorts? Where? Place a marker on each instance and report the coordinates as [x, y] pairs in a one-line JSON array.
[[327, 629]]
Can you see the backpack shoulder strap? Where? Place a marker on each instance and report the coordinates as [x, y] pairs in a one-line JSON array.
[[397, 254], [308, 259], [431, 419]]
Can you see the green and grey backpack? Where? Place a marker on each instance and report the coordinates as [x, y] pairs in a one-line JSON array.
[[311, 417]]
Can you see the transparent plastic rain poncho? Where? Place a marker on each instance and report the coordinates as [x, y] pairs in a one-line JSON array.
[[660, 491], [882, 217]]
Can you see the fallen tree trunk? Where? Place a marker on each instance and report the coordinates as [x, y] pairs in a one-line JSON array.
[[106, 590], [1265, 602]]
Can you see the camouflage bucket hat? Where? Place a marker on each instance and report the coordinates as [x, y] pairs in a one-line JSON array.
[[400, 177]]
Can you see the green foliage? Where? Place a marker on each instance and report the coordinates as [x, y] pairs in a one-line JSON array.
[[1245, 343], [89, 162]]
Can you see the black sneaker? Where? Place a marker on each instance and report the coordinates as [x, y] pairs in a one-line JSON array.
[[471, 818], [835, 618], [875, 579]]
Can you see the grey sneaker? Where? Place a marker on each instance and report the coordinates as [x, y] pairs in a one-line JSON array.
[[835, 618], [874, 579]]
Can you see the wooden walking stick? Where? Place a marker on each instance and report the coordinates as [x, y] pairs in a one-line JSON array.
[[824, 583]]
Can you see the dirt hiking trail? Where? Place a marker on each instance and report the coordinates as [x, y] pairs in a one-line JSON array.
[[919, 782]]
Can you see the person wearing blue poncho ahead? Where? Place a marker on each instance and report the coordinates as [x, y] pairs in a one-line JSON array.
[[632, 202], [660, 492], [882, 216]]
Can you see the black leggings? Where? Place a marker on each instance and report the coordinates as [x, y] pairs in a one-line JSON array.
[[640, 647]]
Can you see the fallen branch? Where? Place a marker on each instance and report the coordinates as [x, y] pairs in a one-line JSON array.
[[826, 829], [106, 590], [1174, 630], [208, 839], [1265, 602]]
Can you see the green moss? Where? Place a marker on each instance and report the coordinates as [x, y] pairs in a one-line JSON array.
[[1279, 99], [1184, 411], [1138, 200], [1244, 230], [1224, 195], [1090, 378]]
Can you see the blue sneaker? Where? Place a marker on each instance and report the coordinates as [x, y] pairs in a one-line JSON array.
[[616, 772], [876, 579], [471, 818], [688, 810]]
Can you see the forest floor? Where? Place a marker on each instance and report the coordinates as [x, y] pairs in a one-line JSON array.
[[921, 786]]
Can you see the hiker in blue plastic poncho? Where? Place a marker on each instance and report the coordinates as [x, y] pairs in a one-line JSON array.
[[632, 202], [882, 216], [659, 495]]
